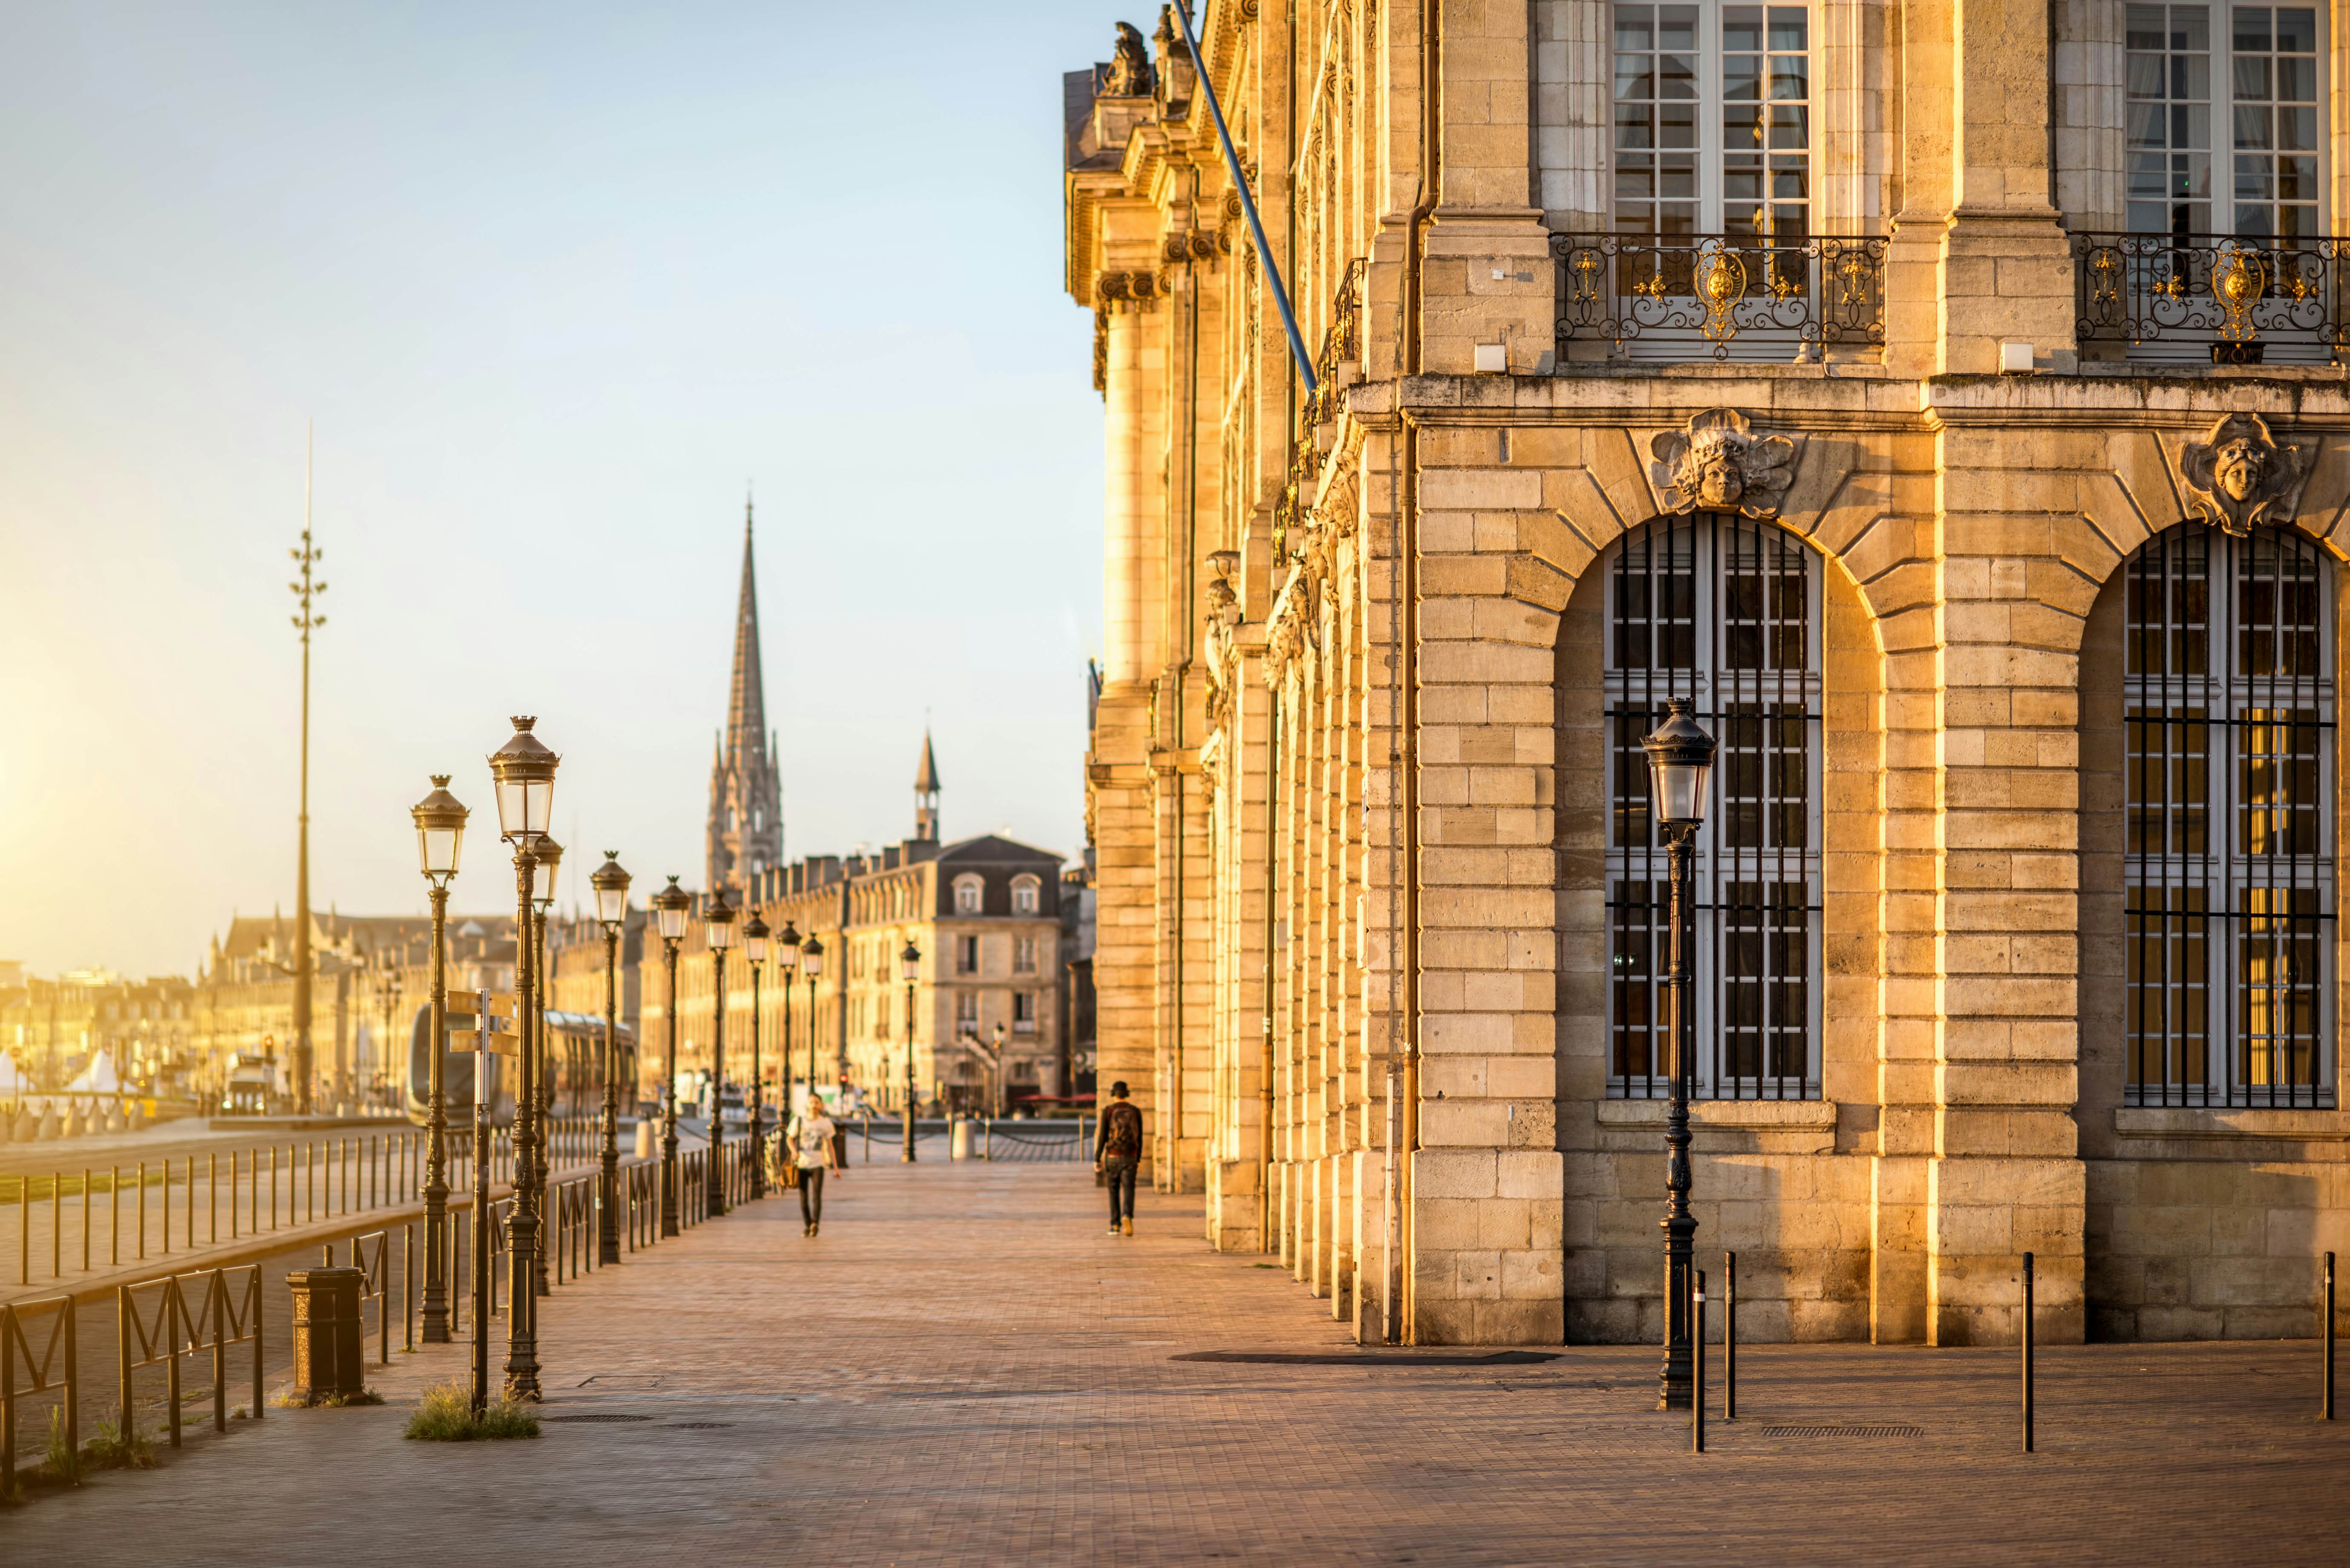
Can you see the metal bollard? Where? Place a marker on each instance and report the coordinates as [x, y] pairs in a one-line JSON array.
[[2027, 1352], [1697, 1366], [2326, 1333], [1730, 1336]]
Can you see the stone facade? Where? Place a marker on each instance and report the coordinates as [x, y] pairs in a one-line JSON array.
[[1358, 780], [984, 913]]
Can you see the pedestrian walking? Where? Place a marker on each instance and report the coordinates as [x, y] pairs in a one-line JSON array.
[[813, 1150], [1117, 1154]]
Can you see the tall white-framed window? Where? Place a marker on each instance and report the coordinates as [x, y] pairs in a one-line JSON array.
[[1713, 119], [2228, 862], [966, 1012], [2224, 121], [1725, 611], [1026, 895], [1024, 955], [1024, 1012], [969, 889]]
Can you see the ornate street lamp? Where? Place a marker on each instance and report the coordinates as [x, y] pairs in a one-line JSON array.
[[718, 931], [811, 966], [670, 906], [440, 834], [1680, 763], [548, 855], [910, 963], [787, 961], [995, 1074], [524, 771], [611, 885], [754, 948]]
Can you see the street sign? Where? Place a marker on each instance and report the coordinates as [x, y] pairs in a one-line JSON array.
[[463, 1004]]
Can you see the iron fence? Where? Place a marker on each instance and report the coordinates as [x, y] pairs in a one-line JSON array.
[[1664, 297], [231, 1316], [15, 1345], [2177, 298]]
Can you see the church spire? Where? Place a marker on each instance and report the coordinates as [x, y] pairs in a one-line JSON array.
[[745, 836], [926, 793]]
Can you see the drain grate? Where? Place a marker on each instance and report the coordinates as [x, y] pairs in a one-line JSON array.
[[1359, 1358], [600, 1416], [1879, 1431]]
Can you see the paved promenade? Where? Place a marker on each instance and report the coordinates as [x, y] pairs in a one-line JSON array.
[[964, 1369]]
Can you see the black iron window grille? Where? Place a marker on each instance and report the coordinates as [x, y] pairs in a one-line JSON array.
[[2228, 708], [1726, 612], [1664, 297], [2179, 298]]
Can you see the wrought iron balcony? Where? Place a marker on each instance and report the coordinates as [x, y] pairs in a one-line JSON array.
[[2179, 298], [1666, 298]]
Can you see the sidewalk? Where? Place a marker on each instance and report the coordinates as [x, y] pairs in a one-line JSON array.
[[964, 1369]]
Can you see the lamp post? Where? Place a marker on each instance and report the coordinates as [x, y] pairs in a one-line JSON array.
[[718, 931], [754, 949], [440, 834], [1680, 761], [910, 963], [670, 906], [995, 1074], [811, 966], [548, 855], [611, 885], [787, 963], [524, 771]]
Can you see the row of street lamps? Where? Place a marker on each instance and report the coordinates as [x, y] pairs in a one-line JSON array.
[[522, 771]]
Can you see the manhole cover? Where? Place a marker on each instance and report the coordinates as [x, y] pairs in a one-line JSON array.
[[699, 1425], [601, 1416], [1844, 1431]]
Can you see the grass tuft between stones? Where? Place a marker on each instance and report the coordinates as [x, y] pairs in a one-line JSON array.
[[446, 1415]]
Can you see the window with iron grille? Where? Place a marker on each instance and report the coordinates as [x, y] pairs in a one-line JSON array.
[[2227, 871], [1725, 611]]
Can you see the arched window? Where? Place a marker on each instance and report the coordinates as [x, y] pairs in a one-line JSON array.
[[2227, 866], [967, 892], [1725, 611], [1023, 895]]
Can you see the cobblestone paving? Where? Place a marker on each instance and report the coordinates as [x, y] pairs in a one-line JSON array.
[[964, 1368]]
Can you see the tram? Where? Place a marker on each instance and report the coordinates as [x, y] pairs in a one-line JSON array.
[[574, 1056]]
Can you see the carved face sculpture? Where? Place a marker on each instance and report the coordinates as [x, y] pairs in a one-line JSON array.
[[1721, 480], [2241, 467]]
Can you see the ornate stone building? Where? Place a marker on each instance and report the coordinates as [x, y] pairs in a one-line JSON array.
[[1948, 400], [983, 912]]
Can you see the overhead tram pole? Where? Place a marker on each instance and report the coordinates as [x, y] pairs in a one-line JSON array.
[[305, 622]]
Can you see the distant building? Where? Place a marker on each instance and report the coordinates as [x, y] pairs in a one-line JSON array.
[[54, 1027], [372, 973], [985, 914]]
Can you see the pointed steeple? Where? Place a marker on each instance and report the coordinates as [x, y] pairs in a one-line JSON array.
[[926, 793], [745, 836], [746, 704]]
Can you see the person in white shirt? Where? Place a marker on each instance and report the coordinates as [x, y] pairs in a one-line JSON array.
[[811, 1143]]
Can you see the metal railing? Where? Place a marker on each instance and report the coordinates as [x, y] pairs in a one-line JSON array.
[[15, 1345], [97, 1219], [232, 1316], [2179, 298], [1665, 297]]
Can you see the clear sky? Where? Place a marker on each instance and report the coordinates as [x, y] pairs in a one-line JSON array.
[[554, 281]]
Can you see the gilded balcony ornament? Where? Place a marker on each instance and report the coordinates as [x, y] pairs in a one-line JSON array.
[[2238, 282], [1720, 283], [1586, 274], [1716, 463], [2105, 278], [2239, 476]]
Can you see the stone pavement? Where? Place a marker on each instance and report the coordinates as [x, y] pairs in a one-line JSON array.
[[964, 1369]]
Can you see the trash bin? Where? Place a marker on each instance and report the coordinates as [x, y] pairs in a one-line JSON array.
[[329, 1336]]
